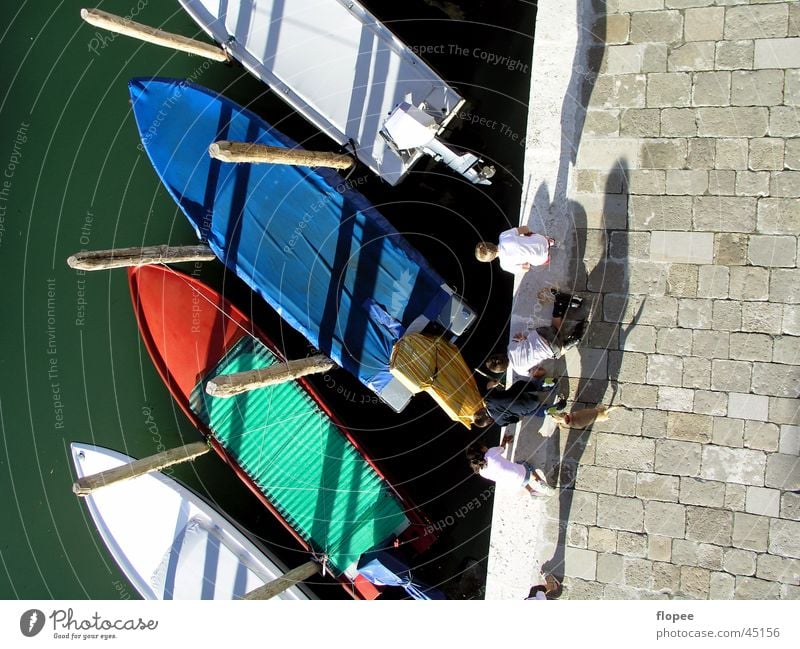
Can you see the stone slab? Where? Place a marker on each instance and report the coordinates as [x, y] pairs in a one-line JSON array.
[[784, 538], [764, 502], [739, 562], [682, 247], [617, 513], [777, 53], [725, 464], [783, 472], [580, 563], [750, 532], [665, 519], [748, 406]]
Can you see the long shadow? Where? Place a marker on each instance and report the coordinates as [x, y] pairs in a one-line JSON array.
[[608, 277], [240, 195], [593, 382], [380, 71], [333, 298], [328, 491], [276, 16], [361, 87]]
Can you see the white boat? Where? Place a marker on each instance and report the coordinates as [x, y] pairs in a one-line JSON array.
[[168, 542], [345, 72]]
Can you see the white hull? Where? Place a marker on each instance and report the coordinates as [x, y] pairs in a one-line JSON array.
[[337, 65], [169, 543]]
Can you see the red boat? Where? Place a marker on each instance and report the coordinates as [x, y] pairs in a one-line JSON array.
[[281, 441]]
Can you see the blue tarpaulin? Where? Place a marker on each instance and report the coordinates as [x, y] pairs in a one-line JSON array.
[[382, 568], [316, 250]]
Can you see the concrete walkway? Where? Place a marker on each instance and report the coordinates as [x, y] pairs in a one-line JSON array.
[[663, 149]]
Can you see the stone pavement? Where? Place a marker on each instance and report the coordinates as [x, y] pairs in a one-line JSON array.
[[675, 185]]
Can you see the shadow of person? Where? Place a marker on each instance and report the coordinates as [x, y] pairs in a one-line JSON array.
[[593, 229], [599, 358]]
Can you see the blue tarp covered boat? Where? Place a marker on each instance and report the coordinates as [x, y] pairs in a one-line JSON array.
[[316, 250]]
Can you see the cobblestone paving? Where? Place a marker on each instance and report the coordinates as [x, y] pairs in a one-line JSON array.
[[686, 207]]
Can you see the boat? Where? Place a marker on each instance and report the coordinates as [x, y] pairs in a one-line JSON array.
[[345, 72], [303, 239], [281, 441], [168, 542]]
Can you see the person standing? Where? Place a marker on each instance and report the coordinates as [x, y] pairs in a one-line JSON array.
[[518, 249]]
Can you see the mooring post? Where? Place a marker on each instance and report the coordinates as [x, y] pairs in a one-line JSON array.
[[120, 25], [256, 153], [284, 582], [90, 483], [122, 257], [229, 385]]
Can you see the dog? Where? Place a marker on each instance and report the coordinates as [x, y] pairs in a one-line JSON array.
[[585, 417]]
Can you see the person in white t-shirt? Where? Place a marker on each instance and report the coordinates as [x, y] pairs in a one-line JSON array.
[[529, 349], [490, 463], [518, 249]]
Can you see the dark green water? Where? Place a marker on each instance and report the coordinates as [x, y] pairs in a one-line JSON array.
[[72, 178]]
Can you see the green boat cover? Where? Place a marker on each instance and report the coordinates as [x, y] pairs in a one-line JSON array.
[[301, 461]]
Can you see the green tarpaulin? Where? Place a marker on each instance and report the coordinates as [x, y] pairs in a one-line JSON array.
[[302, 463]]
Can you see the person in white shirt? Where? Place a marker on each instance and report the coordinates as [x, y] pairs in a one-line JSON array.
[[518, 249], [489, 463], [529, 349]]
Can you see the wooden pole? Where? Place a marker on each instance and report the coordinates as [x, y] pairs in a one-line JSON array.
[[90, 483], [229, 385], [122, 257], [284, 582], [119, 25], [249, 152]]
